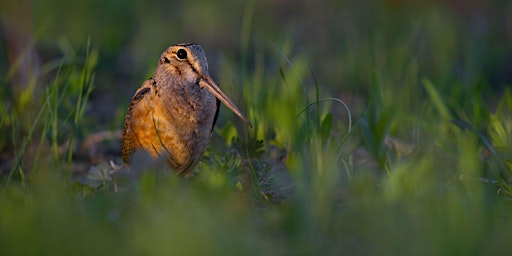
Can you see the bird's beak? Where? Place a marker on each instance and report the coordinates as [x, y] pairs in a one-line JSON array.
[[209, 84]]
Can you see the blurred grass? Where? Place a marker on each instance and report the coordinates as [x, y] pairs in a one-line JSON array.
[[425, 169]]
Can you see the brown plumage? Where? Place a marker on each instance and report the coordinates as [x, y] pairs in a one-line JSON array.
[[172, 115]]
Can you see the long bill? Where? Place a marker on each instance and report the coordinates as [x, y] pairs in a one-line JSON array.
[[208, 83]]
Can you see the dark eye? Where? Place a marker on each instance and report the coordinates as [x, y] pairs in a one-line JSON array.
[[182, 54]]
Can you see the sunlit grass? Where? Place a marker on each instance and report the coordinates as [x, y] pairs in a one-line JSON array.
[[424, 168]]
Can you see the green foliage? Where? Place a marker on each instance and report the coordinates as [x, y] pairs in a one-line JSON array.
[[499, 148], [376, 124], [425, 170], [58, 116]]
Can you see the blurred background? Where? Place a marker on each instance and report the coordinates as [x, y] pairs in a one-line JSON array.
[[419, 166], [345, 41]]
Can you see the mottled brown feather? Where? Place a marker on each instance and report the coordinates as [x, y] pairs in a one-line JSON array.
[[173, 114], [128, 140]]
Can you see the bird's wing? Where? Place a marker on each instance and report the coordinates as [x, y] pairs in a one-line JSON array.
[[129, 141]]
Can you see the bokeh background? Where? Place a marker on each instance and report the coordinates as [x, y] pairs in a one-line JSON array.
[[345, 41], [420, 165]]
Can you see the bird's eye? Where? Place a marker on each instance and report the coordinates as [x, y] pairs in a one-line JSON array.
[[182, 54]]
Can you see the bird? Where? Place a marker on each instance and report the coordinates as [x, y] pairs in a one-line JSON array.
[[173, 113]]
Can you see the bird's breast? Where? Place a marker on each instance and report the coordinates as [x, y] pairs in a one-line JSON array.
[[189, 105], [182, 119]]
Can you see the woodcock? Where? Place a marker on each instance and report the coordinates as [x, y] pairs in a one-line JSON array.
[[173, 114]]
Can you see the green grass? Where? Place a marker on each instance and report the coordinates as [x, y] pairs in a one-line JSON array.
[[412, 159]]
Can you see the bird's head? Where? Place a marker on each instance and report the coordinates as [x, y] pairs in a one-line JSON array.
[[187, 63]]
